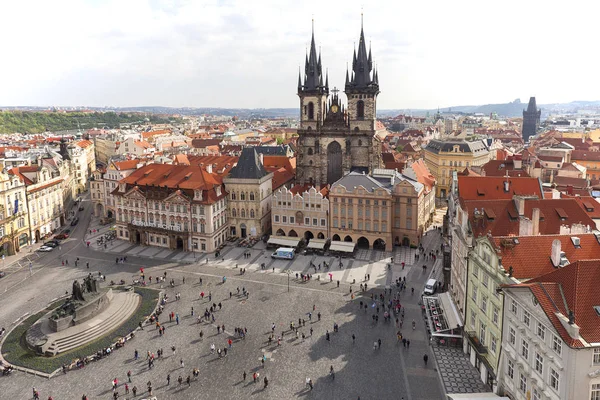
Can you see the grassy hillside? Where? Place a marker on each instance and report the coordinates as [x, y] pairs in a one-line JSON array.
[[36, 122]]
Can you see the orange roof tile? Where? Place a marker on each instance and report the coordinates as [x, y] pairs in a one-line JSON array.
[[147, 135], [492, 187], [530, 258], [84, 143], [126, 165]]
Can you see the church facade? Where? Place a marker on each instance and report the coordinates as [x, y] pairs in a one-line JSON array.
[[334, 138]]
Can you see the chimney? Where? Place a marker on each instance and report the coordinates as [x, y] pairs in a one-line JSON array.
[[520, 205], [518, 163], [506, 186], [209, 168], [262, 158], [555, 254], [536, 221]]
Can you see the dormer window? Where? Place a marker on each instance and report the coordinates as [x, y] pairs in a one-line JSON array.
[[122, 187], [218, 190], [197, 194]]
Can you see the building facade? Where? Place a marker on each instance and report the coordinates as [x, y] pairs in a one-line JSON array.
[[334, 139], [250, 192], [172, 206], [14, 220], [443, 157], [300, 212]]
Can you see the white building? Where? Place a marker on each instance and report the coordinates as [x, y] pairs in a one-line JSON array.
[[551, 338]]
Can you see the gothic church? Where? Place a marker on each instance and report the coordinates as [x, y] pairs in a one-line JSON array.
[[334, 139]]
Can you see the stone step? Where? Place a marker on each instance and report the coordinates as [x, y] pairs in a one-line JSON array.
[[112, 322], [107, 325]]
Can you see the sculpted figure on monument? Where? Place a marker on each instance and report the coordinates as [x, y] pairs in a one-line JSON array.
[[77, 293]]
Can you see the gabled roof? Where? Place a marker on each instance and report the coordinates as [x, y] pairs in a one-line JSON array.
[[530, 258], [501, 217], [492, 187], [577, 183], [84, 143], [147, 135], [502, 167], [249, 166], [125, 165], [571, 288]]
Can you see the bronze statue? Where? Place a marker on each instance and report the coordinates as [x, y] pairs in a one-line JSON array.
[[77, 293], [90, 284]]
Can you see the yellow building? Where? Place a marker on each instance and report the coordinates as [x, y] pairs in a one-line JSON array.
[[442, 157], [14, 223]]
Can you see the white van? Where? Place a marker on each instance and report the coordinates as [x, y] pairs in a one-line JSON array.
[[430, 286]]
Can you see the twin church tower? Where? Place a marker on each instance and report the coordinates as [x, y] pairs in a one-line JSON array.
[[335, 139]]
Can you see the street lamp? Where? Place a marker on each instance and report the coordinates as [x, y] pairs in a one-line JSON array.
[[288, 272]]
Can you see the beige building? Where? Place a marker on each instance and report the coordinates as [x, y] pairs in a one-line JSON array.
[[106, 181], [14, 221], [250, 187], [443, 157], [301, 211]]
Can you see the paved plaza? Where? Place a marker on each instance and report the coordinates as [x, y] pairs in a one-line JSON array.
[[360, 370]]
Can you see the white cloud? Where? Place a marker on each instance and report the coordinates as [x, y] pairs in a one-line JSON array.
[[246, 53]]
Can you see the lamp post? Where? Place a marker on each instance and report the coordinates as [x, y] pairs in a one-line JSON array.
[[288, 272]]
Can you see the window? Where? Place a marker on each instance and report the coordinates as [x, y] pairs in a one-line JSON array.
[[360, 109], [284, 219], [526, 317], [484, 279], [554, 379], [314, 222], [252, 214], [557, 345], [495, 313], [513, 307], [494, 343], [482, 333], [596, 358], [384, 226], [311, 110], [292, 219], [277, 218], [539, 363], [510, 369], [376, 226], [523, 383], [512, 337], [251, 195], [595, 391], [536, 395], [306, 221], [474, 294], [541, 330], [335, 223], [484, 304], [322, 221], [242, 196], [524, 349], [475, 271]]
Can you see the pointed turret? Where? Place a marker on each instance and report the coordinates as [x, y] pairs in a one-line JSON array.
[[531, 107], [313, 70], [531, 119], [347, 77], [327, 80], [299, 79], [362, 66]]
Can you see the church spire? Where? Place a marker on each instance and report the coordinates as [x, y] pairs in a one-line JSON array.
[[347, 78], [299, 79], [362, 64], [313, 70], [327, 80]]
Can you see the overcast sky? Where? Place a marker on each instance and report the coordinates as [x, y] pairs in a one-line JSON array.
[[246, 53]]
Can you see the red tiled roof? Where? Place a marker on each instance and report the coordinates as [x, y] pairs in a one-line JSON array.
[[557, 159], [530, 258], [578, 183], [280, 162], [176, 177], [126, 165], [143, 144], [579, 282], [84, 143], [423, 175], [501, 167], [45, 186], [588, 204], [146, 135], [585, 155], [220, 164], [501, 217], [281, 176], [491, 187]]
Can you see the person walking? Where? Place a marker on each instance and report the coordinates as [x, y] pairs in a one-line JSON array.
[[244, 376], [425, 359], [134, 391], [129, 372], [168, 379]]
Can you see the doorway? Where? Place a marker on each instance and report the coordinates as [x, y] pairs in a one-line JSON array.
[[179, 243], [243, 230]]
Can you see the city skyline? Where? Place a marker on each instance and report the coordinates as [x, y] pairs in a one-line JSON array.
[[233, 54]]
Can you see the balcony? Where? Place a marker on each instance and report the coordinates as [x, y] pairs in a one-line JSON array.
[[474, 340]]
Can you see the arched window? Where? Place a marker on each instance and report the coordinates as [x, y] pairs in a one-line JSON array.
[[251, 195], [251, 213], [359, 142], [243, 213], [311, 110], [317, 148], [233, 212], [310, 162], [232, 195], [360, 109], [310, 151], [242, 196]]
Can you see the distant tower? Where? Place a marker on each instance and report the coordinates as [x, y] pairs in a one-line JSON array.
[[531, 120]]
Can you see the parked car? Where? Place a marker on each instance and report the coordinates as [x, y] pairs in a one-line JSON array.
[[51, 243], [75, 222], [45, 249], [2, 274], [63, 235]]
